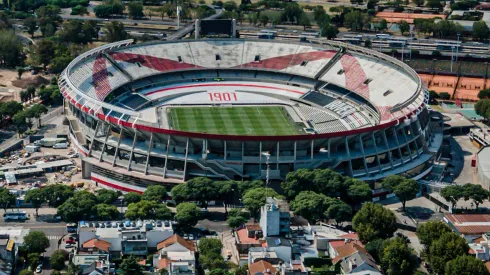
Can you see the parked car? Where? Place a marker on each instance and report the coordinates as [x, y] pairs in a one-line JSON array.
[[159, 224], [39, 268], [70, 241], [191, 237]]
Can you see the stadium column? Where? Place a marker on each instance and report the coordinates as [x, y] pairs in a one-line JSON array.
[[346, 141], [185, 158], [376, 150], [312, 144], [363, 155], [243, 153], [93, 138], [414, 140], [294, 159], [398, 144], [328, 148], [132, 150], [150, 146], [390, 157], [225, 150], [105, 141], [407, 144], [117, 147], [277, 156], [260, 157], [166, 157]]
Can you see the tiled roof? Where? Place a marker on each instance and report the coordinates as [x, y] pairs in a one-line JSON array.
[[353, 236], [176, 239], [261, 267], [348, 249], [244, 239], [487, 264], [470, 224], [163, 263], [253, 227], [335, 244], [96, 243]]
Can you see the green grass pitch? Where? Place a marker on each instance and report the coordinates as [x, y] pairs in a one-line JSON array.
[[250, 120]]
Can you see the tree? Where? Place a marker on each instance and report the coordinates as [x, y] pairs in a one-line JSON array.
[[482, 108], [435, 4], [78, 32], [219, 271], [132, 197], [44, 52], [11, 49], [465, 265], [230, 5], [36, 242], [448, 247], [329, 31], [57, 260], [210, 245], [57, 194], [236, 218], [480, 31], [20, 72], [30, 23], [310, 205], [396, 257], [10, 108], [297, 181], [6, 199], [20, 122], [404, 26], [26, 272], [431, 231], [375, 249], [78, 207], [202, 190], [114, 31], [304, 21], [339, 211], [476, 193], [264, 19], [147, 210], [31, 91], [187, 215], [373, 221], [135, 9], [444, 96], [106, 212], [33, 260], [36, 111], [484, 94], [156, 193], [107, 196], [292, 12], [255, 198], [452, 194], [356, 20], [130, 266], [418, 3], [36, 198], [226, 192], [359, 191], [405, 189]]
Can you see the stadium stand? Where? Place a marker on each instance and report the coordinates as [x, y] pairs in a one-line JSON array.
[[318, 98], [322, 121]]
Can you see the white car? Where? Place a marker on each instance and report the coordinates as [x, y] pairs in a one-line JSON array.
[[191, 237], [39, 268]]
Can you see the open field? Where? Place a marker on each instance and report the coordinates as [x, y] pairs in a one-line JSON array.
[[251, 120]]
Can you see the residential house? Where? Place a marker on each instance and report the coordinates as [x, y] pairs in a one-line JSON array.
[[248, 237], [261, 268], [353, 257], [176, 255], [92, 252]]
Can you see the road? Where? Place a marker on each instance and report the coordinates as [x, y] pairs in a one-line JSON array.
[[54, 113]]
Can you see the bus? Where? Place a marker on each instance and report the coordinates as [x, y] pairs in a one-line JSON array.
[[313, 34], [265, 35], [15, 216], [273, 33]]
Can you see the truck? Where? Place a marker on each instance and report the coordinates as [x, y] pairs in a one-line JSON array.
[[32, 148], [49, 142]]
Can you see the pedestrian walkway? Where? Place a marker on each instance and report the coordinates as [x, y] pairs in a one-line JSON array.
[[53, 237]]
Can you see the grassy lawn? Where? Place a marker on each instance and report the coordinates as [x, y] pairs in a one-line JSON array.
[[251, 120]]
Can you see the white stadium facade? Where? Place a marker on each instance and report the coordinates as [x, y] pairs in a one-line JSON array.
[[364, 114]]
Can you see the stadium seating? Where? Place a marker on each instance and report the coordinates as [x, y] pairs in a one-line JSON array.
[[323, 121]]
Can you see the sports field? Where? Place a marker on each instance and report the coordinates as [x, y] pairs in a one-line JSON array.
[[251, 120]]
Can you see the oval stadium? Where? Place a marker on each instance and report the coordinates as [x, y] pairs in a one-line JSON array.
[[236, 109]]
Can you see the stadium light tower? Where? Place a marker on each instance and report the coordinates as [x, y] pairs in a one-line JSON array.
[[452, 57]]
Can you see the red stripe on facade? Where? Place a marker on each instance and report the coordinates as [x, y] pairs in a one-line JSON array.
[[115, 186]]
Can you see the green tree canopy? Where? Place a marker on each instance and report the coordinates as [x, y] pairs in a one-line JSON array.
[[373, 221], [130, 266], [484, 94], [339, 211], [482, 108], [135, 9], [404, 26], [448, 247], [6, 199], [132, 197], [431, 231], [405, 189], [466, 265], [36, 242], [106, 212], [107, 196], [187, 215], [57, 260], [476, 193], [236, 218], [210, 245], [356, 20], [452, 194], [480, 31], [35, 197], [397, 258], [114, 31], [255, 198], [147, 210], [78, 207], [156, 193], [310, 205]]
